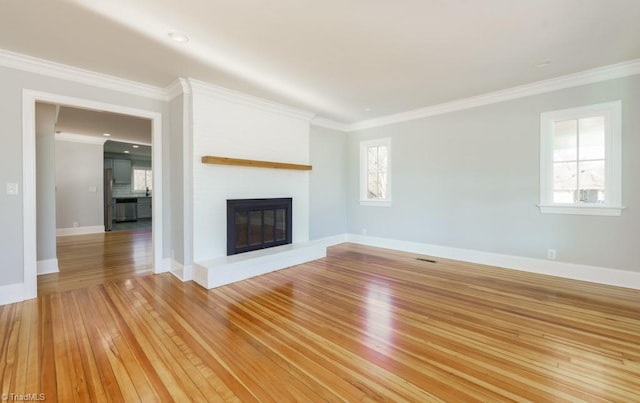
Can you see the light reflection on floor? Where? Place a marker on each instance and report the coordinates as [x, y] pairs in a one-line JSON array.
[[379, 317]]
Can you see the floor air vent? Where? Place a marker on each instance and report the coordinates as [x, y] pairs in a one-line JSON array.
[[426, 260]]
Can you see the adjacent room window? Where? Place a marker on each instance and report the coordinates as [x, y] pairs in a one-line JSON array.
[[142, 179], [580, 160], [375, 172]]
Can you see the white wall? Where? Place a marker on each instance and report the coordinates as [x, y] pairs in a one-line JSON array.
[[470, 180], [225, 127], [79, 184]]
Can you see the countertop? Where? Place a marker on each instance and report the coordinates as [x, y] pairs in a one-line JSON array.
[[130, 196]]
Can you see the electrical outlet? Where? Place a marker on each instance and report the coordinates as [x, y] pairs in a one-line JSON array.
[[364, 231], [551, 254], [12, 189], [75, 224]]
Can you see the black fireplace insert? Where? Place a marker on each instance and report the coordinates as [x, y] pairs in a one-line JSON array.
[[254, 224]]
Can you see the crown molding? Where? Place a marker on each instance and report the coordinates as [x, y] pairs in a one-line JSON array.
[[571, 80], [186, 86], [80, 138], [248, 100], [178, 87], [329, 124], [65, 72]]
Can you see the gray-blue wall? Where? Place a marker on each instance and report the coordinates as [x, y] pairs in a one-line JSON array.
[[470, 179], [328, 183], [12, 82], [45, 182]]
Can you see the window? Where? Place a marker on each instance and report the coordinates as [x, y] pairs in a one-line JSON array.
[[580, 160], [142, 179], [375, 172]]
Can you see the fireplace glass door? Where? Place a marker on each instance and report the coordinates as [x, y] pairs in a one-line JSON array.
[[257, 224]]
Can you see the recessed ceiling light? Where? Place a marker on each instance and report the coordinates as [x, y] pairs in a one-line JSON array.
[[106, 134], [543, 63], [126, 151], [178, 36], [136, 146]]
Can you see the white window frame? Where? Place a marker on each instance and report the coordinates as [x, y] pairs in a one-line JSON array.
[[612, 112], [364, 145]]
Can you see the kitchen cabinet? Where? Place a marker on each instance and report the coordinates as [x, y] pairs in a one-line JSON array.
[[144, 207], [122, 171]]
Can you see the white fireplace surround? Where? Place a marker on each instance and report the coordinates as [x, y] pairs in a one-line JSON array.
[[245, 128]]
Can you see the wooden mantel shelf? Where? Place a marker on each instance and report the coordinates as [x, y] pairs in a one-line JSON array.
[[207, 159]]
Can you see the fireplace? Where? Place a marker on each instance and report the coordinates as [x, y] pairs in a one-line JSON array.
[[254, 224]]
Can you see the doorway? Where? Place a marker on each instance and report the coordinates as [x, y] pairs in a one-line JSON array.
[[128, 186], [29, 172]]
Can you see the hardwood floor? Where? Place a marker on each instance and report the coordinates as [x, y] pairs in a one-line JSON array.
[[363, 324], [93, 259]]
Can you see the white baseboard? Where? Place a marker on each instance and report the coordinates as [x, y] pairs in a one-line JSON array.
[[167, 262], [187, 272], [48, 266], [12, 293], [182, 272], [601, 275], [96, 229], [163, 267], [331, 240]]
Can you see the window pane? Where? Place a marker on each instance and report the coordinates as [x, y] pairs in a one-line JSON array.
[[565, 181], [382, 185], [149, 179], [592, 138], [565, 140], [142, 179], [592, 175], [373, 189], [382, 158], [377, 166], [139, 179], [372, 159]]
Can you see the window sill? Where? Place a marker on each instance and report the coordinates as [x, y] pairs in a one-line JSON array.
[[377, 203], [581, 209]]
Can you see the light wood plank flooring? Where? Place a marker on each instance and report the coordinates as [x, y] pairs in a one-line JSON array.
[[363, 324], [93, 259]]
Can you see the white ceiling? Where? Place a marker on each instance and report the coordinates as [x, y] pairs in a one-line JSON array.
[[347, 60], [119, 148], [123, 128], [126, 133]]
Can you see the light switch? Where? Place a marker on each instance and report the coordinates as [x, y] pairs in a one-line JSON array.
[[93, 189], [12, 189]]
